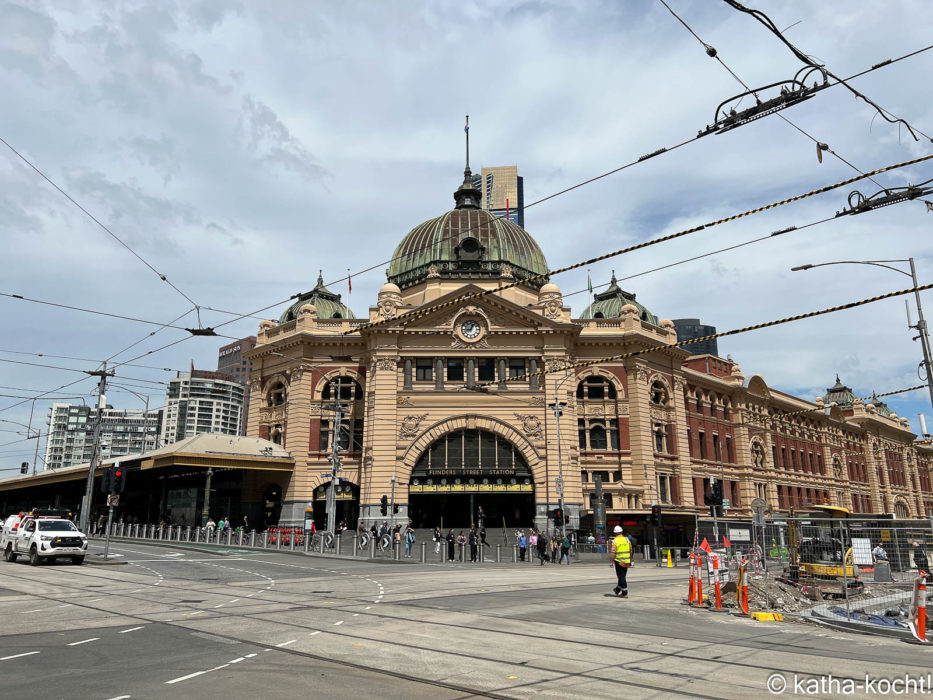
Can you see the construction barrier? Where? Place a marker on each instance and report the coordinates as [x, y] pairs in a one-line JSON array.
[[698, 581], [691, 588], [917, 620], [718, 593], [741, 590]]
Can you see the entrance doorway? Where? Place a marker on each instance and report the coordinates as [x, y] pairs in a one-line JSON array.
[[348, 505], [428, 510]]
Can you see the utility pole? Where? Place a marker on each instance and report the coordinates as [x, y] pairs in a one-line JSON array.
[[392, 509], [206, 508], [335, 463], [558, 407], [88, 499], [35, 457], [922, 333]]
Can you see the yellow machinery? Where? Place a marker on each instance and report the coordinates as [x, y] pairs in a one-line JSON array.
[[819, 550]]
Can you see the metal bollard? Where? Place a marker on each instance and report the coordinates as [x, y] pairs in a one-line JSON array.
[[424, 552], [252, 539], [514, 553], [240, 538], [264, 535], [498, 554], [322, 543], [356, 541], [278, 540], [308, 537], [372, 547], [337, 545], [291, 540]]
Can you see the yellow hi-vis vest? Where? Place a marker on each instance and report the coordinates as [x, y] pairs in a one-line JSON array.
[[623, 550]]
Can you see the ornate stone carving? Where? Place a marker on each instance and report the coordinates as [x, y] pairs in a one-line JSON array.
[[409, 428], [506, 272], [641, 374], [538, 401], [553, 308], [433, 271], [595, 410], [555, 364], [837, 468], [388, 301], [404, 401], [458, 344], [623, 410], [758, 454], [296, 374], [314, 409], [386, 364], [531, 425], [272, 413]]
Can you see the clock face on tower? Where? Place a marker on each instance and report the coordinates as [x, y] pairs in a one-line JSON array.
[[470, 329]]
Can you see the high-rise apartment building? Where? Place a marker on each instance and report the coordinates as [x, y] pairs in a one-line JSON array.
[[230, 362], [201, 402], [122, 432], [504, 193], [690, 328]]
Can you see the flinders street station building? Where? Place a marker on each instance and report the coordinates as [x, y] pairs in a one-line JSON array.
[[450, 409]]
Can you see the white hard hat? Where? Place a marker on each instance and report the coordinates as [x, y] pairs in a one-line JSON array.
[[617, 530]]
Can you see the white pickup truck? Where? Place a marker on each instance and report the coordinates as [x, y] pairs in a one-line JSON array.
[[42, 538]]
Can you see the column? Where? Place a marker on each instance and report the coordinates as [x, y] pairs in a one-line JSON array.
[[532, 368], [406, 379], [502, 373], [471, 372], [439, 373]]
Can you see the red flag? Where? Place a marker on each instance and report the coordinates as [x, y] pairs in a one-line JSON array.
[[705, 546], [349, 283], [506, 207], [726, 542]]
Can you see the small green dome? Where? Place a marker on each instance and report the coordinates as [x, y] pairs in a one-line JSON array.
[[881, 407], [609, 304], [839, 394], [466, 243], [326, 304]]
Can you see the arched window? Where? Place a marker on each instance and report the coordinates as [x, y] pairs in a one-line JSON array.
[[349, 393], [342, 388], [277, 393], [276, 435], [597, 397], [470, 450], [596, 388], [598, 437]]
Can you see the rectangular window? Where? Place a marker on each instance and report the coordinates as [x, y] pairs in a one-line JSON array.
[[504, 450], [658, 438], [487, 450], [663, 488], [702, 439], [793, 460], [717, 453], [455, 450], [471, 449], [454, 370], [424, 369], [439, 454], [613, 434], [783, 457], [730, 454], [358, 435], [486, 369], [581, 433], [324, 438], [516, 367]]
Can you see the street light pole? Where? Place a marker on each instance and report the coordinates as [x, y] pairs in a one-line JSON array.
[[920, 326], [558, 407], [95, 454]]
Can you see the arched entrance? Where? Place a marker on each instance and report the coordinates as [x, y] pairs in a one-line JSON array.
[[468, 470], [271, 506], [348, 505]]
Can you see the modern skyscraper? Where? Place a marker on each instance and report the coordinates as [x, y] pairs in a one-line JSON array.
[[230, 362], [690, 328], [504, 193], [201, 402], [122, 432]]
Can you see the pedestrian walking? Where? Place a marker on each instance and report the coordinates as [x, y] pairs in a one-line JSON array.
[[482, 535], [522, 544], [564, 550], [621, 558], [409, 541], [451, 540], [396, 537], [438, 538], [533, 543], [461, 542], [542, 548], [100, 524], [473, 540]]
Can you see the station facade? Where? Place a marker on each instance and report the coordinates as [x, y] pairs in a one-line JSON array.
[[444, 411]]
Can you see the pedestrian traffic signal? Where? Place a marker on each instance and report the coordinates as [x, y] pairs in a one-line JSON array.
[[558, 515], [108, 479], [395, 508], [655, 517], [384, 505], [24, 468]]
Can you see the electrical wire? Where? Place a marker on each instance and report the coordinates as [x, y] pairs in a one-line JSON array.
[[417, 313], [96, 220], [92, 311], [723, 334], [804, 58], [77, 359]]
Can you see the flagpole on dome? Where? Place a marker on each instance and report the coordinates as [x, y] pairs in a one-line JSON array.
[[589, 286], [466, 130], [349, 284]]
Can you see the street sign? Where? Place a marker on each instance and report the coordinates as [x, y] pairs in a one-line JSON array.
[[559, 485], [758, 519], [325, 475], [725, 504], [113, 500]]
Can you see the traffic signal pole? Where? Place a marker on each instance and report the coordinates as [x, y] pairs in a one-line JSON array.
[[88, 499]]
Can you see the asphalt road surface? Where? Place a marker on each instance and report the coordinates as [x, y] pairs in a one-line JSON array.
[[175, 622]]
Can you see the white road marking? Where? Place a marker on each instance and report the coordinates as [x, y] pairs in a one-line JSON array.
[[285, 644], [233, 601], [237, 660], [220, 605], [64, 606], [93, 600], [27, 612], [121, 697], [314, 633], [196, 612], [16, 656], [249, 656], [339, 622], [84, 641], [369, 607], [131, 629], [356, 614], [192, 675]]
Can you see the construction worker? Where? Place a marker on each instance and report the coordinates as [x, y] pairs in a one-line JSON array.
[[621, 553]]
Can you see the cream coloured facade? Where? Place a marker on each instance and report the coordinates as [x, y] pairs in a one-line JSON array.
[[450, 406]]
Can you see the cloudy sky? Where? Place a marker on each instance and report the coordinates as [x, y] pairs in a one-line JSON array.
[[238, 147]]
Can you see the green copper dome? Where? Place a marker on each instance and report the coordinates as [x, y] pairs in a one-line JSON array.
[[839, 394], [326, 304], [466, 243], [609, 304]]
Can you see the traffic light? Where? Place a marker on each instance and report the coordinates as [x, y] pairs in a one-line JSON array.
[[108, 479], [395, 508], [558, 517], [384, 505], [655, 517], [119, 479], [24, 468], [714, 498]]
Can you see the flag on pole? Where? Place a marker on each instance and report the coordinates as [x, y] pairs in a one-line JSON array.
[[506, 207], [726, 542], [705, 546], [589, 282], [349, 283], [466, 127]]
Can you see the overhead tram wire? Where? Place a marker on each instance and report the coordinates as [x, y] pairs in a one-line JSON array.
[[820, 145], [804, 58], [638, 160], [712, 336], [77, 359], [417, 313], [97, 221]]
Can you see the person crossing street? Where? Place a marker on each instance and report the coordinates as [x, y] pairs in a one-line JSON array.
[[621, 553]]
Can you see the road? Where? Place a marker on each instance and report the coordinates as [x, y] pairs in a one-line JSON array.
[[175, 622]]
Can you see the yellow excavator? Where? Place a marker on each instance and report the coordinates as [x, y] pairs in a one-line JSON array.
[[819, 551]]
